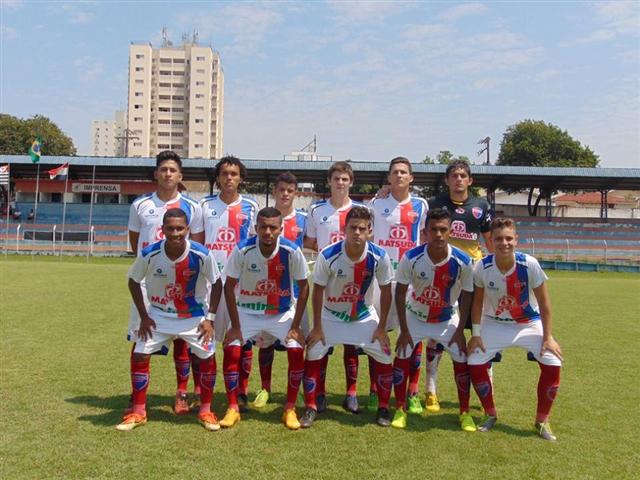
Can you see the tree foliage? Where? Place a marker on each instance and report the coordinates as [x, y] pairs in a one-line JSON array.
[[539, 144], [17, 134], [445, 157]]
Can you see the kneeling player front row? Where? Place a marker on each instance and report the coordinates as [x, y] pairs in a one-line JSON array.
[[266, 291]]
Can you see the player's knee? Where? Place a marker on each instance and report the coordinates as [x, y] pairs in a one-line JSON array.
[[140, 357]]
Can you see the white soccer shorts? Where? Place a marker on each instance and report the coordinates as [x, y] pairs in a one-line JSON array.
[[168, 329], [496, 336], [271, 326], [357, 334], [438, 332]]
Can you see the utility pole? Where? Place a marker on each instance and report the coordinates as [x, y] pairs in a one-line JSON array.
[[128, 135], [485, 141]]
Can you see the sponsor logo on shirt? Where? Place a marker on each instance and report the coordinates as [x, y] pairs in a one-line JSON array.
[[459, 231], [349, 294], [477, 212], [460, 210], [431, 297], [265, 287], [173, 291], [505, 304]]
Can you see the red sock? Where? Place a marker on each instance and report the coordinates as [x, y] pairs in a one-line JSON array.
[[372, 375], [294, 373], [195, 368], [265, 360], [322, 376], [230, 368], [139, 384], [182, 363], [207, 369], [414, 369], [463, 384], [351, 363], [311, 382], [547, 390], [384, 380], [245, 369], [482, 386], [400, 374]]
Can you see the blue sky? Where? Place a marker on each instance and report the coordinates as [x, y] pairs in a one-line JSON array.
[[372, 80]]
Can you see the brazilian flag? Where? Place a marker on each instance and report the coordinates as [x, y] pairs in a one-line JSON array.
[[34, 150]]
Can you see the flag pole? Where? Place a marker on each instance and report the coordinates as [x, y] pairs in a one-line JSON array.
[[35, 208], [6, 237], [64, 207], [89, 239]]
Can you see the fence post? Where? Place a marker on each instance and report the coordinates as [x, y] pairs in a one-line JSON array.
[[18, 237], [92, 233], [605, 251], [567, 240], [53, 238]]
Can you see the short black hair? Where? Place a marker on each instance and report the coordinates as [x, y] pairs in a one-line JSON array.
[[166, 155], [359, 213], [269, 212], [286, 177], [175, 213], [457, 165], [438, 214], [403, 160], [230, 160]]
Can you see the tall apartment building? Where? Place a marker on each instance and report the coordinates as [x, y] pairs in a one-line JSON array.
[[175, 100], [106, 136]]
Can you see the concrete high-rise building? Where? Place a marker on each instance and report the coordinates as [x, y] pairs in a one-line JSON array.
[[106, 136], [176, 100]]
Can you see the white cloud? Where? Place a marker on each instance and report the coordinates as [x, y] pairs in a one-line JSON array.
[[462, 10], [352, 11], [7, 32], [88, 68], [76, 15], [612, 19]]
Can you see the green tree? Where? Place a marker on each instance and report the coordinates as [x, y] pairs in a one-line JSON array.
[[16, 136], [538, 144], [445, 157]]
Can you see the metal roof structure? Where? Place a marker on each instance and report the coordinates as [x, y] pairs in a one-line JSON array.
[[491, 177]]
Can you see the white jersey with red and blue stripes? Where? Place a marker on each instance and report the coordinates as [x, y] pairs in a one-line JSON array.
[[147, 211], [175, 288], [326, 223], [436, 286], [266, 284], [509, 297], [397, 225], [226, 225], [293, 227], [348, 294]]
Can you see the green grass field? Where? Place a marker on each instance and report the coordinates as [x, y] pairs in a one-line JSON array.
[[64, 383]]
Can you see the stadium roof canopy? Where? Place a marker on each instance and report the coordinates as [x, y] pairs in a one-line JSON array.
[[491, 177]]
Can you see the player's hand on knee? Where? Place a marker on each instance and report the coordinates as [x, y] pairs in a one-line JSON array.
[[315, 335], [550, 345], [296, 335], [147, 325], [381, 336], [205, 331], [233, 334], [459, 340], [404, 343], [474, 344]]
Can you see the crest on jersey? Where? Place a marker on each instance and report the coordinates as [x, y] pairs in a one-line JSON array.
[[159, 233], [173, 291], [226, 235], [412, 216], [280, 268], [266, 286], [351, 289], [187, 274], [399, 232], [477, 212], [336, 237], [241, 217], [505, 304], [520, 286]]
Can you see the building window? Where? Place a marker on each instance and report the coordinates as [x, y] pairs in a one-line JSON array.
[[165, 97], [139, 81], [200, 70], [164, 84], [177, 122], [137, 119], [165, 60], [163, 134], [139, 56], [199, 133], [199, 120], [178, 110], [178, 85], [164, 122], [137, 107], [165, 72], [176, 147], [199, 95], [138, 94], [199, 83], [198, 145], [164, 146], [178, 73], [178, 60], [137, 144], [200, 59], [200, 107], [178, 97], [139, 69]]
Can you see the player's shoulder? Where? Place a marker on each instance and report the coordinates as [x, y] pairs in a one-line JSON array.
[[331, 251], [198, 248], [301, 213], [287, 244], [526, 260], [151, 250], [376, 250], [317, 204], [250, 202], [479, 202], [141, 199], [208, 199], [438, 201], [357, 203], [189, 201], [488, 261], [247, 244], [460, 255], [419, 201], [414, 253]]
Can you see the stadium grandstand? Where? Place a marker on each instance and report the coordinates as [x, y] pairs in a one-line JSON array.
[[97, 224]]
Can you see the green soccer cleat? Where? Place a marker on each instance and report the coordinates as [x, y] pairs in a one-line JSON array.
[[372, 405], [415, 406], [544, 430], [488, 422], [261, 400], [399, 419], [466, 422]]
